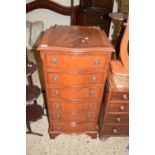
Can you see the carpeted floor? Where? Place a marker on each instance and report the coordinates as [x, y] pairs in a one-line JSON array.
[[69, 144]]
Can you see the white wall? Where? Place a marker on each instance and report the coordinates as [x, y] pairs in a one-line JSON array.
[[50, 18]]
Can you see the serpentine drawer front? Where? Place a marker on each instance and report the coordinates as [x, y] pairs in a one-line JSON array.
[[70, 79], [74, 107], [71, 117], [75, 63], [81, 62], [73, 127], [75, 93]]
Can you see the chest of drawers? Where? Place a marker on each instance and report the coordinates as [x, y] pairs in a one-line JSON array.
[[114, 115], [75, 63]]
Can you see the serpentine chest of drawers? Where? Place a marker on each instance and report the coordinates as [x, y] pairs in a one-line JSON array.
[[114, 115], [75, 62]]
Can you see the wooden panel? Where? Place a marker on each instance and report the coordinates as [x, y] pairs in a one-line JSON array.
[[81, 62], [74, 127], [66, 79], [117, 118], [77, 93], [68, 117], [74, 107], [120, 96], [115, 130], [104, 3], [99, 3], [100, 17], [119, 107]]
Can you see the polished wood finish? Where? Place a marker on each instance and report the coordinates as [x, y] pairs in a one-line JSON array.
[[114, 114], [73, 127], [32, 92], [74, 107], [119, 107], [94, 13], [75, 93], [82, 62], [116, 118], [79, 39], [70, 79], [68, 117], [75, 63], [116, 130]]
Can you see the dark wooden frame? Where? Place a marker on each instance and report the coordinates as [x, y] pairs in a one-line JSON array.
[[53, 6]]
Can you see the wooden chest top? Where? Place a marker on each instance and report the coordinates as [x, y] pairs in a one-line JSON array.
[[75, 39]]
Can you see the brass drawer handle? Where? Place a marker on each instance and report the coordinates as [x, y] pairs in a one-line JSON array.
[[73, 124], [118, 119], [115, 130], [88, 116], [91, 93], [54, 61], [125, 97], [96, 62], [57, 106], [55, 78], [58, 117], [90, 106], [94, 78], [56, 93], [122, 108], [58, 127]]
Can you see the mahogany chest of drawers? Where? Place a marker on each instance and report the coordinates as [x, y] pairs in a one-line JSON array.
[[75, 63], [114, 115]]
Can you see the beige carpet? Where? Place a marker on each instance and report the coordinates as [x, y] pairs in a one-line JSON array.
[[69, 144]]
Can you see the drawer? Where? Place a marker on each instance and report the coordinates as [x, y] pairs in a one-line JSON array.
[[75, 93], [75, 62], [76, 107], [73, 127], [120, 96], [68, 117], [67, 79], [122, 118], [115, 130], [119, 107]]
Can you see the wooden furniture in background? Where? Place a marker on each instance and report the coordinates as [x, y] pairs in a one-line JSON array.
[[95, 13], [114, 116], [53, 6], [121, 19], [34, 111], [75, 63], [114, 113], [121, 67], [122, 11], [88, 12]]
